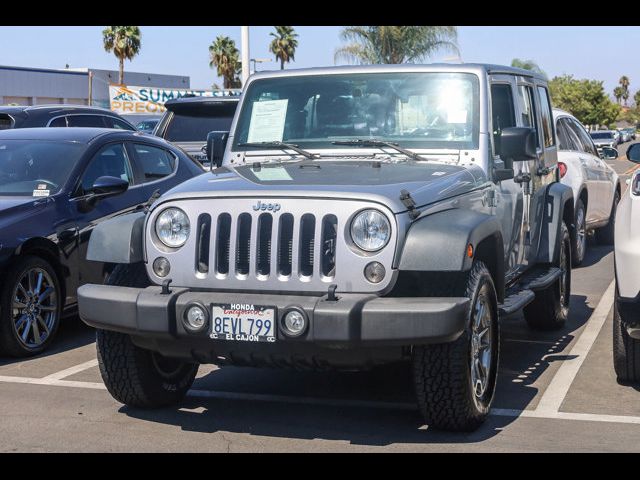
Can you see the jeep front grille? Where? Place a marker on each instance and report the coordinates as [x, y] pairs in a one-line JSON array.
[[301, 249]]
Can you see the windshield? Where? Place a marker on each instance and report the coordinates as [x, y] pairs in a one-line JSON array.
[[36, 168], [416, 110], [601, 135], [194, 125]]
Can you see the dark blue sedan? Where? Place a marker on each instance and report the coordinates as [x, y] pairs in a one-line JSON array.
[[55, 185]]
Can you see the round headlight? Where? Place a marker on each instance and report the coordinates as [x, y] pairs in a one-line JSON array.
[[370, 230], [172, 227]]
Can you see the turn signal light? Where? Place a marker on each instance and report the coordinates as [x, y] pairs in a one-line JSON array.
[[562, 167]]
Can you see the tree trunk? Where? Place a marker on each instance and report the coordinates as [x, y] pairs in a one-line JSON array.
[[282, 64], [121, 72]]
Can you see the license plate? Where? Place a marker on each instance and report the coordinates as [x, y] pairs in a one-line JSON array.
[[243, 322]]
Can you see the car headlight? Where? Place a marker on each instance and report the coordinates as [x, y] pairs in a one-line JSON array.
[[370, 230], [172, 227]]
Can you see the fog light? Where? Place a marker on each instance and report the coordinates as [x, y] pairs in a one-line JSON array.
[[295, 322], [374, 272], [195, 318], [161, 267]]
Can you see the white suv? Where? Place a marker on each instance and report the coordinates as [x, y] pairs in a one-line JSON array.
[[595, 185]]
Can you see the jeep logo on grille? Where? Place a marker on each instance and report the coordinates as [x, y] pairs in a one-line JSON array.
[[272, 207]]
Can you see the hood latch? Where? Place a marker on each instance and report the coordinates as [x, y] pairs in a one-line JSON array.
[[407, 201]]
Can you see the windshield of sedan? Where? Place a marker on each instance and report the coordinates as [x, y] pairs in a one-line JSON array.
[[431, 110], [36, 168], [601, 135]]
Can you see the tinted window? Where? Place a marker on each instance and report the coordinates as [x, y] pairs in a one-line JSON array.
[[564, 142], [22, 162], [112, 122], [602, 135], [5, 122], [194, 125], [502, 110], [585, 141], [154, 162], [110, 161], [545, 114], [85, 121], [58, 122]]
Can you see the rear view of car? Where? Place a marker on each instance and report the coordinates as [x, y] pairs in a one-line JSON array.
[[187, 122], [604, 138]]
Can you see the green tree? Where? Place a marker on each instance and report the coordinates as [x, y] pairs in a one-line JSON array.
[[624, 83], [284, 44], [636, 98], [618, 92], [124, 42], [527, 65], [585, 99], [225, 58], [394, 44]]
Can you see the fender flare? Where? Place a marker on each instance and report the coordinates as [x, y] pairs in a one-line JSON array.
[[118, 240], [559, 206]]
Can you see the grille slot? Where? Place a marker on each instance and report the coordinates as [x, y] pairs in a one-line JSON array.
[[203, 240], [285, 244], [306, 250], [263, 257], [328, 246], [243, 245], [223, 243]]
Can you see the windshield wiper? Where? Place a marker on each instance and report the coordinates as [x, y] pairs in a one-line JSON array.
[[372, 142], [280, 145]]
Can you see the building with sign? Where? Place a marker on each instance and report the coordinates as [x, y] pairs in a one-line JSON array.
[[80, 86]]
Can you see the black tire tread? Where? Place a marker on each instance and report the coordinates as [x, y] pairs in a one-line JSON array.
[[626, 351]]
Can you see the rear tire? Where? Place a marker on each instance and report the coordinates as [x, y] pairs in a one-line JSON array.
[[550, 309], [136, 376], [626, 350], [579, 246], [453, 389], [605, 235]]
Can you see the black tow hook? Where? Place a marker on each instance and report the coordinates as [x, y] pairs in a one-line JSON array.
[[165, 287], [331, 293]]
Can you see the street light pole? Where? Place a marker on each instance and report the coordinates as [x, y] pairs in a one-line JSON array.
[[245, 54]]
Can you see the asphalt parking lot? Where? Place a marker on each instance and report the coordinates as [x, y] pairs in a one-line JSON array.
[[557, 392]]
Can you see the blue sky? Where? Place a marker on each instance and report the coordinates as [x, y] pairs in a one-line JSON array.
[[602, 53]]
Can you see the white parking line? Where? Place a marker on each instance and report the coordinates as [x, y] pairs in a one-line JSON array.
[[67, 372], [556, 392]]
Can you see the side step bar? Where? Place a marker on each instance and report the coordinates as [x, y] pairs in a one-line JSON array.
[[516, 301], [523, 293]]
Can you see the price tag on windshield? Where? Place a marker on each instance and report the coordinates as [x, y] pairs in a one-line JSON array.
[[267, 121]]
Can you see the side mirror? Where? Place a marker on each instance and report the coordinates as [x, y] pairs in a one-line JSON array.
[[216, 144], [608, 153], [633, 153], [518, 144], [103, 187]]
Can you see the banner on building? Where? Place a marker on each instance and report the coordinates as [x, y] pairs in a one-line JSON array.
[[129, 100]]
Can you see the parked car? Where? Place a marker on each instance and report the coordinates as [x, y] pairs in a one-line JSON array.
[[604, 138], [624, 135], [56, 185], [617, 136], [361, 216], [147, 126], [631, 133], [188, 120], [626, 312], [596, 187], [60, 116]]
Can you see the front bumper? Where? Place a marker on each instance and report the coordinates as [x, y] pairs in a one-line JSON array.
[[352, 319], [629, 310]]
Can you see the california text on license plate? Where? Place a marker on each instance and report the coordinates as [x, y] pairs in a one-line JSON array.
[[242, 322]]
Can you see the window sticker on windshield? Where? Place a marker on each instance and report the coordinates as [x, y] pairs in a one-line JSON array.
[[271, 174], [41, 193], [42, 186], [267, 121]]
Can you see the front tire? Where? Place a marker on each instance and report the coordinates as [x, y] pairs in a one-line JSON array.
[[550, 309], [455, 382], [30, 307], [626, 350], [136, 376]]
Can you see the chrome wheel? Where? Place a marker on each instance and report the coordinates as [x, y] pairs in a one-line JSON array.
[[34, 307], [481, 346], [581, 234]]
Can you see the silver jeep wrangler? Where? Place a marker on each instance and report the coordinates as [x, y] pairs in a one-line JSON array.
[[357, 216]]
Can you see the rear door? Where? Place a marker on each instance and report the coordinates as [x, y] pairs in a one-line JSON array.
[[156, 167]]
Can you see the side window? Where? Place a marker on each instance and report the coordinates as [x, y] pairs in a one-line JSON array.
[[58, 122], [112, 122], [583, 136], [566, 141], [502, 110], [574, 142], [85, 121], [528, 109], [154, 162], [110, 161], [545, 114]]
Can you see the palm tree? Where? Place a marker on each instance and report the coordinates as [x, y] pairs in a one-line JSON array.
[[225, 58], [394, 44], [284, 44], [618, 92], [527, 65], [124, 42], [624, 83]]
